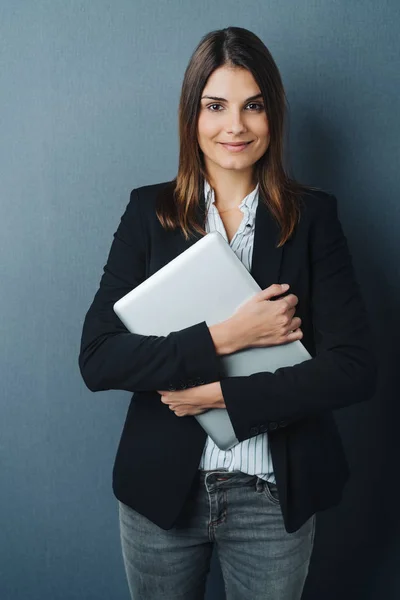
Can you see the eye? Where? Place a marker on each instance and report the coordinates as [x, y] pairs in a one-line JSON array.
[[259, 106], [210, 105]]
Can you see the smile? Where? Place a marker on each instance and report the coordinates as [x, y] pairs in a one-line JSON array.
[[236, 148]]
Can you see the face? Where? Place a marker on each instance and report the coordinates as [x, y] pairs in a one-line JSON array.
[[231, 114]]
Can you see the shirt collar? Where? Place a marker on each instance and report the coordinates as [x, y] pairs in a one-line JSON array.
[[250, 201]]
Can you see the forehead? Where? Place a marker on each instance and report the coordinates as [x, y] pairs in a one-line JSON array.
[[231, 81]]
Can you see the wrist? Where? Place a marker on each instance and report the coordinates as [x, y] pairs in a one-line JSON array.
[[217, 396], [223, 336]]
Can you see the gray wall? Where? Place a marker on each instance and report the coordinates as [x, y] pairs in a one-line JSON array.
[[88, 110]]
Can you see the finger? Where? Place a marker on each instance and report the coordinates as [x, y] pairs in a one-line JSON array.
[[290, 300], [297, 334], [276, 289]]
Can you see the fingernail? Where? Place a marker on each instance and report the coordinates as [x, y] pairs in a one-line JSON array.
[[284, 286]]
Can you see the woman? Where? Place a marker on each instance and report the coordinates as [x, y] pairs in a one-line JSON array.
[[177, 492]]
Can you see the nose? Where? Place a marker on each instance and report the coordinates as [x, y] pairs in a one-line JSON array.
[[235, 123]]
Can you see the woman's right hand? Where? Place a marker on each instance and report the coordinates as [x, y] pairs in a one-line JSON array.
[[262, 322]]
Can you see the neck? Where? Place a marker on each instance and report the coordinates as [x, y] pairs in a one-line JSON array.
[[229, 190]]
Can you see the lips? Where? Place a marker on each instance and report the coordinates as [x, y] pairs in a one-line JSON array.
[[235, 143], [236, 147]]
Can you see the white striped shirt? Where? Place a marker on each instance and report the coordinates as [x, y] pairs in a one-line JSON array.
[[252, 456]]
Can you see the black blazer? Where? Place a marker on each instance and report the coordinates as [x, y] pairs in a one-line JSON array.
[[294, 404]]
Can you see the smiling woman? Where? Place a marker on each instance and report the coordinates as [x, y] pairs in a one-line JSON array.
[[174, 502]]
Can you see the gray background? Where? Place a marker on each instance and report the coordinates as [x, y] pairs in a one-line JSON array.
[[88, 110]]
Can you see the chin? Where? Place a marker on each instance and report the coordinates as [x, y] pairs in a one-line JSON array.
[[235, 167]]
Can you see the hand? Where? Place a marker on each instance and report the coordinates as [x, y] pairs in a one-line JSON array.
[[262, 322], [195, 400]]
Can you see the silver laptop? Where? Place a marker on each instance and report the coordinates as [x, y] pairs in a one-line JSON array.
[[206, 282]]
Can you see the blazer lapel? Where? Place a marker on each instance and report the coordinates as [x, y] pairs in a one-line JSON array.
[[267, 258]]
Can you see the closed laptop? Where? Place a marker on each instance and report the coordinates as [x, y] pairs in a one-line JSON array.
[[206, 282]]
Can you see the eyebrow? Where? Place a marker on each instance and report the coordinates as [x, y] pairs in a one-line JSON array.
[[225, 100]]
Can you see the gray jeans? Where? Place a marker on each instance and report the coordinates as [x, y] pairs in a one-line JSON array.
[[241, 514]]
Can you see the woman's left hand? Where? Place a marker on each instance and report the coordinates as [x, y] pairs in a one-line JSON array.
[[194, 400]]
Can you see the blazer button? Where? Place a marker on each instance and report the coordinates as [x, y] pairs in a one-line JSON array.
[[283, 423], [263, 428], [273, 425], [202, 382], [171, 388], [254, 430]]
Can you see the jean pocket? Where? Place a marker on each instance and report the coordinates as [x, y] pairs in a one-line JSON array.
[[271, 492]]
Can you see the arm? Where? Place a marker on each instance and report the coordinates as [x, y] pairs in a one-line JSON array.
[[343, 372], [113, 358]]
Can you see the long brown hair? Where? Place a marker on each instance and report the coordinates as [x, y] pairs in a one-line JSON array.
[[232, 46]]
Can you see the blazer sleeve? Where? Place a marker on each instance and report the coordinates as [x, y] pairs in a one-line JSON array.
[[344, 370], [113, 358]]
